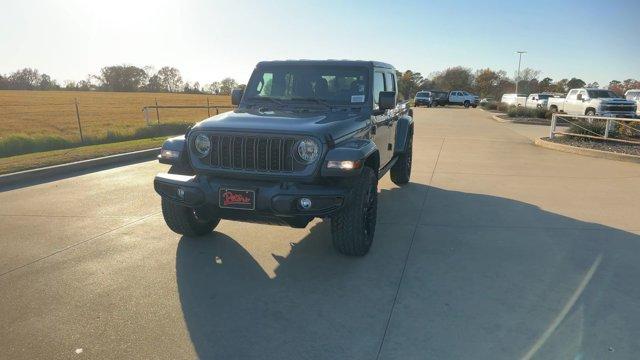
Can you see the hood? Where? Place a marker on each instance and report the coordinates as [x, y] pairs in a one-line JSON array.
[[336, 122]]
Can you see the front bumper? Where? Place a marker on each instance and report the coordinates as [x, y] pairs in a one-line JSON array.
[[273, 200]]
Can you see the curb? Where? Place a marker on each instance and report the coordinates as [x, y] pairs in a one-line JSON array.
[[587, 152], [62, 169], [499, 119]]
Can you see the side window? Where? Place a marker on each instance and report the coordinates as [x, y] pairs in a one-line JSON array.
[[378, 86], [584, 94], [265, 85], [572, 95], [390, 82]]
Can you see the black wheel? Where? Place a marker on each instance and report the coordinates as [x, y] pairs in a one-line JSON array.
[[466, 104], [186, 220], [474, 106], [435, 104], [353, 227], [401, 170], [590, 112]]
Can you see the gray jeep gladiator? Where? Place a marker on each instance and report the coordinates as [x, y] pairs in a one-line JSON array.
[[307, 139]]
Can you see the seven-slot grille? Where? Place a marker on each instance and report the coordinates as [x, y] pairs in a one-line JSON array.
[[256, 153]]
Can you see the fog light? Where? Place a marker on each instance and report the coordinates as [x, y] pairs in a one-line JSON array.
[[180, 193], [305, 203], [343, 165]]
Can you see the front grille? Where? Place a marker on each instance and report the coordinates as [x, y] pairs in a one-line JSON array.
[[254, 153], [618, 108]]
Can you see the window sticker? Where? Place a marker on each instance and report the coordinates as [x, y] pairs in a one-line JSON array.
[[357, 98]]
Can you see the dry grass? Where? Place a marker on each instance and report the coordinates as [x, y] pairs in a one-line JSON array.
[[52, 113]]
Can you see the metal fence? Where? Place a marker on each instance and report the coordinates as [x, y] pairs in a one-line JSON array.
[[157, 107], [623, 130]]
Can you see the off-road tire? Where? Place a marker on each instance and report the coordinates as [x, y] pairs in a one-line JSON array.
[[590, 112], [185, 220], [474, 106], [353, 226], [401, 170], [466, 104]]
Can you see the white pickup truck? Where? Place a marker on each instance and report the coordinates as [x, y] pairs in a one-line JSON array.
[[593, 102], [634, 95], [537, 101]]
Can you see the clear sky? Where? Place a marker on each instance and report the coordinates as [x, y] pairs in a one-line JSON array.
[[208, 40]]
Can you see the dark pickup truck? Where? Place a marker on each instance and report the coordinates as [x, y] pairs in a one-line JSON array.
[[308, 139]]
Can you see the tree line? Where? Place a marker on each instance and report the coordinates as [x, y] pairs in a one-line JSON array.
[[126, 78], [483, 82], [495, 83]]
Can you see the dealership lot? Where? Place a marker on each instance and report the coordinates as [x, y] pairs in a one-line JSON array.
[[497, 249]]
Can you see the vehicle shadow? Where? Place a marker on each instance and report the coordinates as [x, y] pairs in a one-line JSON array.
[[487, 277]]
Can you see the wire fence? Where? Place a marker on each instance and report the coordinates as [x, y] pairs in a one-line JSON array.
[[623, 130]]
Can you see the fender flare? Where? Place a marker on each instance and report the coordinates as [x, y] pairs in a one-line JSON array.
[[361, 150], [179, 144], [404, 130]]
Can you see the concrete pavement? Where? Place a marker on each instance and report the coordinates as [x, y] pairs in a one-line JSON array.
[[497, 249]]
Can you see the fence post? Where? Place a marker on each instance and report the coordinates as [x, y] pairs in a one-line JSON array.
[[208, 109], [157, 112], [606, 129], [79, 124], [217, 111], [553, 125], [146, 115]]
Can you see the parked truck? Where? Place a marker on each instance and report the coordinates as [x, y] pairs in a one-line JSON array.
[[593, 102], [458, 97], [538, 101], [634, 95]]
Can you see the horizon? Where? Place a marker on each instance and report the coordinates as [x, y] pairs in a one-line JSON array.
[[170, 35]]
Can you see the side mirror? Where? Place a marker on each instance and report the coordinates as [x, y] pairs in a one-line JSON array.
[[236, 96], [579, 97], [387, 100]]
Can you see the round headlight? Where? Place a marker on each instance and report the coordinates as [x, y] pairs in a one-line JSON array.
[[308, 150], [202, 144]]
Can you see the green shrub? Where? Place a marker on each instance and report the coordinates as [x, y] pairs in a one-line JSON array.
[[504, 107], [521, 112], [579, 126]]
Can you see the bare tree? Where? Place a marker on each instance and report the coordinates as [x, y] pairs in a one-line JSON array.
[[170, 78]]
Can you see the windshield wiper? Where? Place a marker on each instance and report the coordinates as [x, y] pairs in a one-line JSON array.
[[273, 100], [316, 100]]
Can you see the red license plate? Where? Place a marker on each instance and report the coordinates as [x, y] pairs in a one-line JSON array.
[[237, 199]]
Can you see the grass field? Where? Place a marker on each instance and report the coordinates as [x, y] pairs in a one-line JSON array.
[[53, 113], [36, 121]]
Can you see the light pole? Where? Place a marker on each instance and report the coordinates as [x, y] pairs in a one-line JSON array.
[[520, 53]]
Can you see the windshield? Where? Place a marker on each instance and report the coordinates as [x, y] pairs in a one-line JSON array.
[[543, 96], [339, 85], [594, 94]]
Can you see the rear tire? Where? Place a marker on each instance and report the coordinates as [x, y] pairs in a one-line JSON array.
[[353, 226], [590, 112], [401, 170], [185, 220]]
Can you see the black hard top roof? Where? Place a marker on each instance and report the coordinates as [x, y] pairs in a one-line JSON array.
[[329, 62]]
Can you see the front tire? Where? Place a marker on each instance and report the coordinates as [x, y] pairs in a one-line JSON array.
[[466, 104], [353, 227], [401, 170], [185, 220]]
